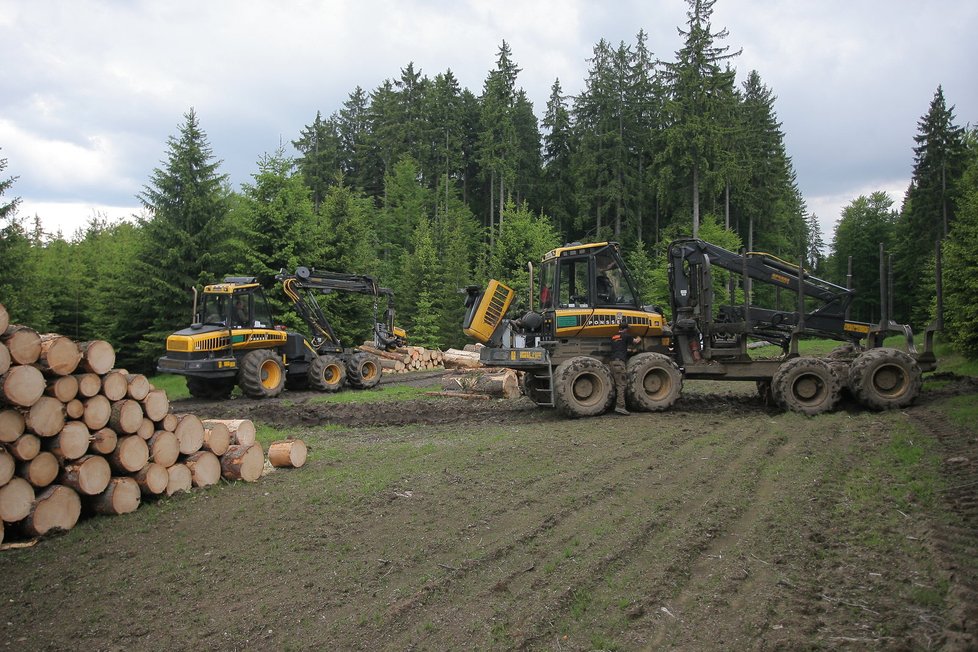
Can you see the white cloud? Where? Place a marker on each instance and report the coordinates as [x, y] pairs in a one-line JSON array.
[[69, 216]]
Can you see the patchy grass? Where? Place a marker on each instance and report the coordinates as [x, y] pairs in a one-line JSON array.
[[963, 411], [376, 395], [175, 386]]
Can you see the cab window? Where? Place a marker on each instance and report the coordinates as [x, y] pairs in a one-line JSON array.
[[574, 289], [548, 283], [214, 309], [262, 316], [611, 287]]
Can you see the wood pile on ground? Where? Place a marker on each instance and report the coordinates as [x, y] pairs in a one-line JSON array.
[[78, 436], [408, 358], [480, 383]]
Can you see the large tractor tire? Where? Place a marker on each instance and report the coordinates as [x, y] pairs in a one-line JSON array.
[[806, 385], [583, 387], [363, 370], [327, 373], [884, 379], [653, 382], [262, 374], [208, 388]]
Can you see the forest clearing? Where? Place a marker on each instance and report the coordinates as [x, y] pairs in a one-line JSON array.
[[433, 523]]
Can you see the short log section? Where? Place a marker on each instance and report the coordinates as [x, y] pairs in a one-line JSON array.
[[290, 453]]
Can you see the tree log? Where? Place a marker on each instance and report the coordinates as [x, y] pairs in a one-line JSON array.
[[88, 384], [131, 454], [74, 409], [88, 475], [121, 496], [242, 430], [57, 508], [98, 409], [63, 388], [26, 447], [40, 471], [456, 359], [59, 355], [98, 356], [23, 344], [126, 417], [499, 384], [290, 453], [103, 441], [4, 359], [217, 438], [168, 422], [4, 318], [156, 404], [164, 448], [22, 385], [45, 418], [205, 468], [115, 386], [16, 498], [190, 433], [8, 465], [152, 479], [11, 425], [138, 386], [179, 479], [386, 355], [71, 443], [243, 462]]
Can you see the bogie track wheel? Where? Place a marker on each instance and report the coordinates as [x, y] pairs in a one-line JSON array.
[[583, 387], [806, 385], [884, 378], [262, 374], [327, 373], [363, 370], [653, 381]]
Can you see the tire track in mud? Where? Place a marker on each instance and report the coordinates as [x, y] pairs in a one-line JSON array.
[[957, 540]]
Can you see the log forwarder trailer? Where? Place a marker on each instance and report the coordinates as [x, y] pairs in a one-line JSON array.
[[233, 340], [586, 291]]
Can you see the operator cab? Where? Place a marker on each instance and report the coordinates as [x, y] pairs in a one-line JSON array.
[[239, 302], [585, 276]]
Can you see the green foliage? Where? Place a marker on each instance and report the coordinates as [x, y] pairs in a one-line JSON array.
[[524, 237], [960, 258]]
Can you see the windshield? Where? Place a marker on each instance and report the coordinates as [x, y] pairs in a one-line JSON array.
[[610, 284], [215, 308]]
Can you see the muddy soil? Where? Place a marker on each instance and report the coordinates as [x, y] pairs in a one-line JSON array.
[[444, 524]]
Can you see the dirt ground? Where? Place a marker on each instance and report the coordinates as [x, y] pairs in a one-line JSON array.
[[446, 524]]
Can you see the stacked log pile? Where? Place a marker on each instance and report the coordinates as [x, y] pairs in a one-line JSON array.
[[408, 358], [79, 436]]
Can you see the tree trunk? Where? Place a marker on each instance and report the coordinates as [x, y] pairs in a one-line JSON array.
[[88, 475], [114, 386], [164, 448], [59, 355], [696, 201], [139, 386], [57, 508], [8, 465], [40, 471], [287, 454], [46, 417], [98, 356], [25, 448], [217, 438], [456, 359], [190, 433], [126, 416], [71, 443], [23, 344], [242, 430], [103, 441], [131, 454], [243, 462], [152, 479], [88, 385], [16, 498], [179, 479], [22, 385], [63, 388], [98, 409], [205, 468], [156, 404], [11, 425], [499, 384], [168, 422], [74, 409], [121, 496]]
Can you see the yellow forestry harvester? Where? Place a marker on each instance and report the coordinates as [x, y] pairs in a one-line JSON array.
[[234, 340], [585, 292]]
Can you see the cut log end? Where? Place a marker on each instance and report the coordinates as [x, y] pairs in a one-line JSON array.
[[88, 475], [152, 479], [16, 499], [205, 468], [98, 356], [242, 431], [131, 454], [180, 479], [22, 385], [121, 496], [57, 508], [243, 463], [290, 453]]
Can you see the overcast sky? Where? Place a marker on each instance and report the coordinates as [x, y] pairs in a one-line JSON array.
[[90, 90]]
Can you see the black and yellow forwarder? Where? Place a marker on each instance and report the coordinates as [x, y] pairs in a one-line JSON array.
[[234, 340], [585, 291]]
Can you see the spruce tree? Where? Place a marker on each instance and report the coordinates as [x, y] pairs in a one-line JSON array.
[[558, 198]]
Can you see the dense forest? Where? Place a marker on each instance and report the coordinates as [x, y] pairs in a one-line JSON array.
[[432, 187]]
